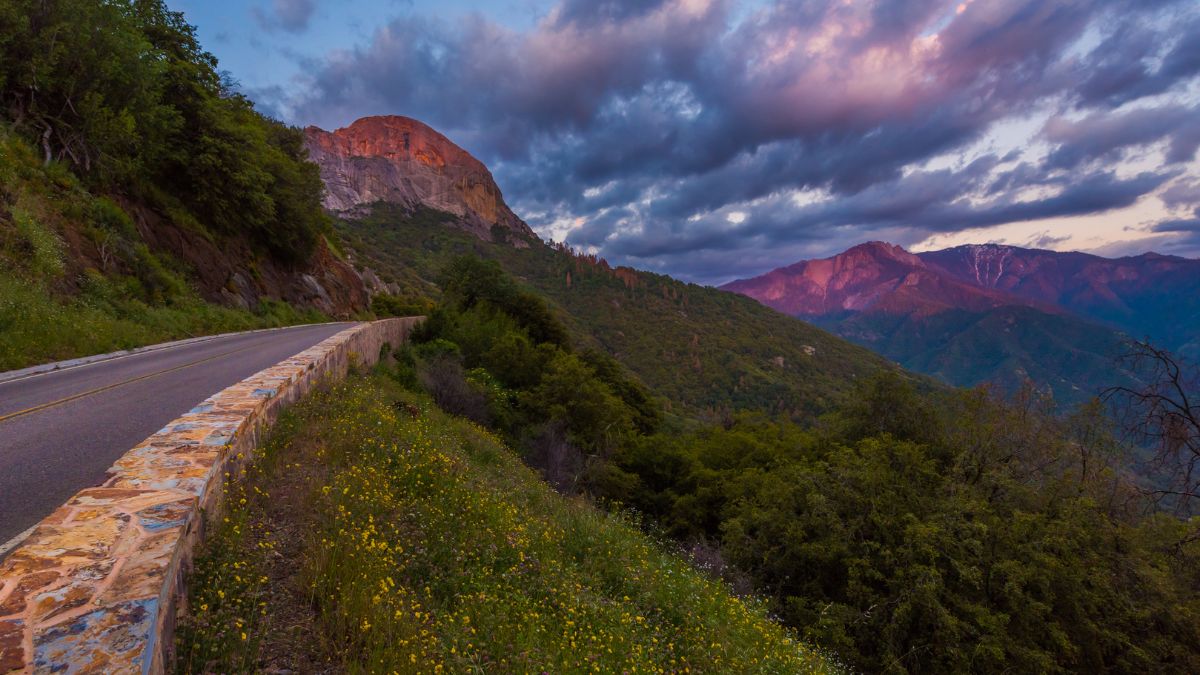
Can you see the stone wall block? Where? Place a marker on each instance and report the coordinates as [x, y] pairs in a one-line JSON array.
[[94, 587]]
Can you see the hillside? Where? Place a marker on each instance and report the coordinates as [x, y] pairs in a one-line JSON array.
[[141, 198], [951, 320], [906, 531], [710, 350], [377, 534]]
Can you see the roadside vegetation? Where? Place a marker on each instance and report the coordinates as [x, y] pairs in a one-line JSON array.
[[903, 531], [376, 533], [111, 110], [907, 530], [122, 94], [53, 308]]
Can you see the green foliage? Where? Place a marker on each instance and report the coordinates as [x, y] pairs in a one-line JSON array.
[[468, 282], [959, 534], [130, 297], [570, 393], [423, 545], [123, 93], [40, 245], [527, 379], [384, 305]]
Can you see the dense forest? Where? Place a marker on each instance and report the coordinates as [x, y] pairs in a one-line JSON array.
[[124, 150], [123, 93], [906, 530]]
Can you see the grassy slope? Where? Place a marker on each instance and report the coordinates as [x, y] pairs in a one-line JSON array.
[[707, 349], [51, 309], [417, 542]]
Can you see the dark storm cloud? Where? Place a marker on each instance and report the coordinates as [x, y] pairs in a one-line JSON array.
[[651, 121], [1183, 194], [1180, 225], [1185, 233], [1104, 136], [1130, 62], [290, 15], [590, 12], [1044, 240]]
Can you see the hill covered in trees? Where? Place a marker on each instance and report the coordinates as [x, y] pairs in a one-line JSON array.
[[142, 198], [703, 350]]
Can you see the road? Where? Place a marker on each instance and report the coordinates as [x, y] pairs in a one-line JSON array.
[[60, 430]]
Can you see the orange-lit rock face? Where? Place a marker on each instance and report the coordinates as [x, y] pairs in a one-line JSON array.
[[402, 161]]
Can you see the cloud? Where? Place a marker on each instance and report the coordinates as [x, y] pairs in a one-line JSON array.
[[650, 121], [1182, 194], [591, 12], [1045, 240], [1104, 136], [292, 16], [1130, 63]]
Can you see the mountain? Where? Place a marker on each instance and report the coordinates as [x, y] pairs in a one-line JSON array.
[[874, 275], [396, 188], [967, 315], [402, 161], [1149, 295]]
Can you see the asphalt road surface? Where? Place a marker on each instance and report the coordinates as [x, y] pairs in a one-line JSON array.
[[60, 430]]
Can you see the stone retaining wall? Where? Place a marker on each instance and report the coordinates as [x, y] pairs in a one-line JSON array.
[[93, 587]]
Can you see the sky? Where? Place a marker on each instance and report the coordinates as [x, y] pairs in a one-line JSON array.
[[718, 139]]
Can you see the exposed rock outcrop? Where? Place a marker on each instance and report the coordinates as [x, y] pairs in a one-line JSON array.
[[231, 273], [402, 161]]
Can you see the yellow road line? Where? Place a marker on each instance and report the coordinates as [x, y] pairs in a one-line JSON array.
[[97, 390]]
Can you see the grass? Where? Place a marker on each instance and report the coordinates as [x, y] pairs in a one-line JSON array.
[[375, 533], [37, 326], [55, 304]]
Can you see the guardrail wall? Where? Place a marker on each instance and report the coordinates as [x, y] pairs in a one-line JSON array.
[[93, 587]]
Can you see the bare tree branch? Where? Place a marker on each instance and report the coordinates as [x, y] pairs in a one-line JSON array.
[[1161, 415]]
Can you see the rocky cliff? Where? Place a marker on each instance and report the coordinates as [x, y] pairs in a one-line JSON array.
[[402, 161]]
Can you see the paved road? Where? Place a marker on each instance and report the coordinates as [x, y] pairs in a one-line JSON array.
[[49, 453]]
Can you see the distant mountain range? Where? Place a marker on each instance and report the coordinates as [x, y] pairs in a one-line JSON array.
[[994, 313]]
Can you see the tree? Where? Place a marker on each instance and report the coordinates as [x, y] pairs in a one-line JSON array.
[[122, 93], [1164, 414]]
